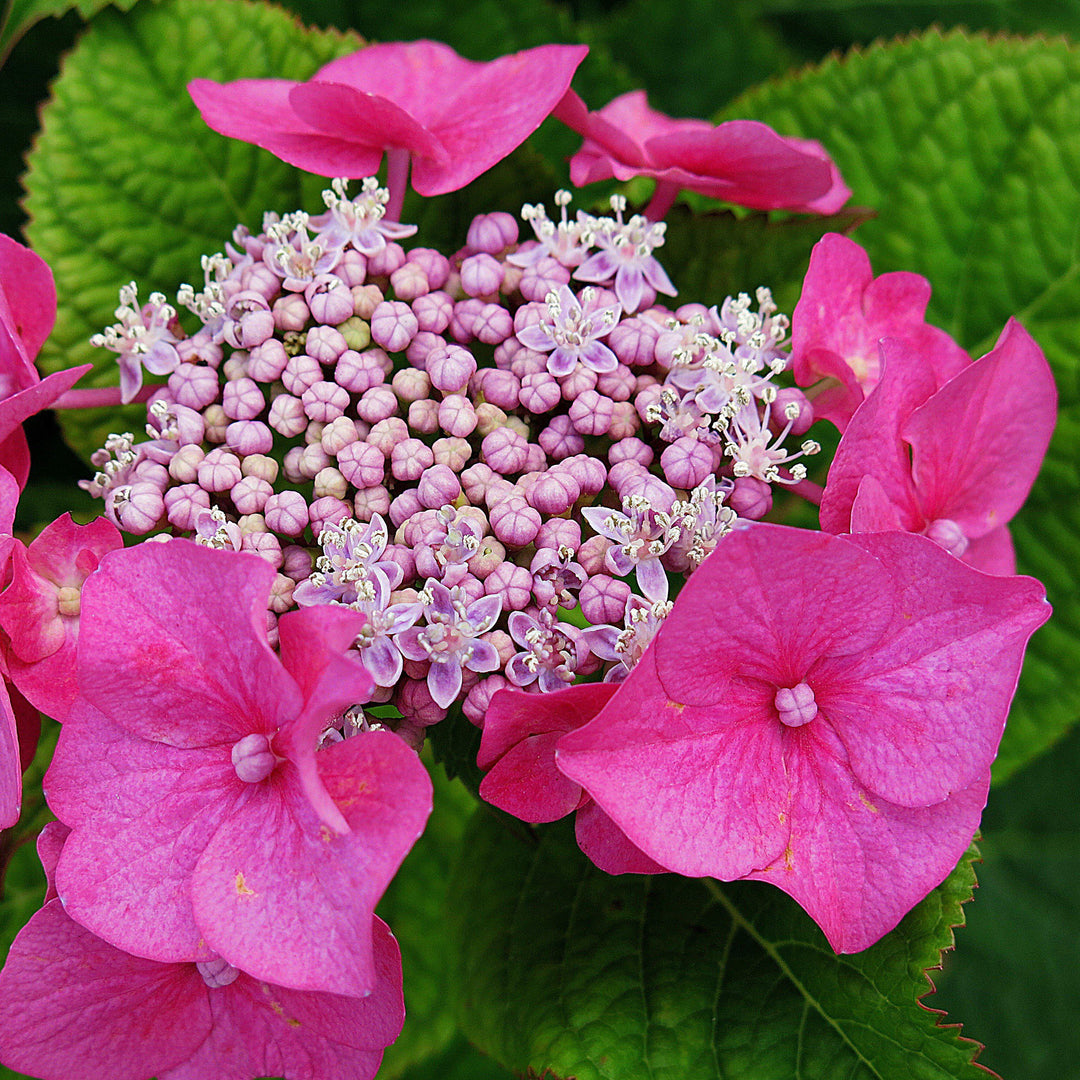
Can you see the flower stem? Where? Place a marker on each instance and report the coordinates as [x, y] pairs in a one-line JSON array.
[[397, 180], [662, 200], [99, 397], [810, 491]]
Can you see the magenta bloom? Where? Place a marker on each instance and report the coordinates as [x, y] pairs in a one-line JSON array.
[[843, 313], [954, 463], [521, 732], [455, 118], [73, 1005], [818, 712], [27, 314], [203, 820], [39, 610], [740, 161]]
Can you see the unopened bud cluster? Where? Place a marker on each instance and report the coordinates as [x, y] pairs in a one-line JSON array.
[[465, 448]]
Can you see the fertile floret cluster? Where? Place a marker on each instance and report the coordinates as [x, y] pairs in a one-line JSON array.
[[459, 447]]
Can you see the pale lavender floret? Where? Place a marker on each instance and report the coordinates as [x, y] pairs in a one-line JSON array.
[[435, 265], [456, 416], [559, 532], [571, 332], [450, 368], [184, 504], [409, 459], [267, 361], [214, 530], [461, 322], [324, 401], [301, 372], [632, 449], [387, 433], [423, 416], [291, 313], [338, 434], [642, 619], [686, 462], [362, 464], [433, 311], [539, 393], [556, 577], [479, 697], [286, 512], [591, 413], [326, 511], [492, 233], [791, 406], [295, 256], [358, 371], [493, 324], [249, 495], [411, 384], [258, 277], [551, 655], [750, 498], [481, 275], [640, 535], [554, 492], [565, 242], [453, 451], [325, 344], [590, 473], [409, 281], [652, 490], [136, 508], [579, 381], [377, 403], [194, 386], [247, 437], [559, 440], [626, 255], [512, 583], [359, 222], [329, 299], [287, 415], [393, 325], [514, 522], [219, 470], [634, 342], [541, 278], [451, 639], [265, 545], [500, 387], [438, 486], [603, 598], [369, 501], [141, 338], [703, 519], [352, 269], [249, 320], [619, 385], [350, 565], [242, 399], [505, 450]]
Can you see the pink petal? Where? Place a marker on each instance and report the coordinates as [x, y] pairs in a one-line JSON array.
[[977, 444], [607, 846], [344, 112], [922, 712], [992, 553], [838, 194], [50, 842], [54, 553], [525, 782], [856, 863], [141, 814], [74, 1006], [27, 296], [29, 613], [173, 645], [745, 162], [258, 111], [873, 510], [700, 790], [264, 1030], [274, 873], [26, 403], [10, 767], [871, 444], [788, 598]]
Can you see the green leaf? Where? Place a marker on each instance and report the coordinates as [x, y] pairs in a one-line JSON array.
[[1017, 971], [669, 978], [22, 14], [415, 907], [125, 181], [968, 150]]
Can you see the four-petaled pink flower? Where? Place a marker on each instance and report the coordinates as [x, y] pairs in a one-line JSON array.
[[455, 118], [73, 1005], [819, 712], [39, 610], [203, 820], [740, 161], [843, 313], [954, 463]]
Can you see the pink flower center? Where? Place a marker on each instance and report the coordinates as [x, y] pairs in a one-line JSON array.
[[795, 704], [253, 758], [217, 972], [68, 600], [947, 534]]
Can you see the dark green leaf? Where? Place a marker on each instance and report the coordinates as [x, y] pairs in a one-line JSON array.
[[592, 976]]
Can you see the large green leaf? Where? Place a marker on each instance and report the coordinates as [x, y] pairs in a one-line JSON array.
[[968, 149], [22, 14], [670, 978], [1017, 971], [125, 182]]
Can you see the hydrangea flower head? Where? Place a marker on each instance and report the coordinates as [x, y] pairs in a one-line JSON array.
[[817, 712]]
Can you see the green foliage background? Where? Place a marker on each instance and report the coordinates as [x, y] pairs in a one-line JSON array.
[[964, 146]]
